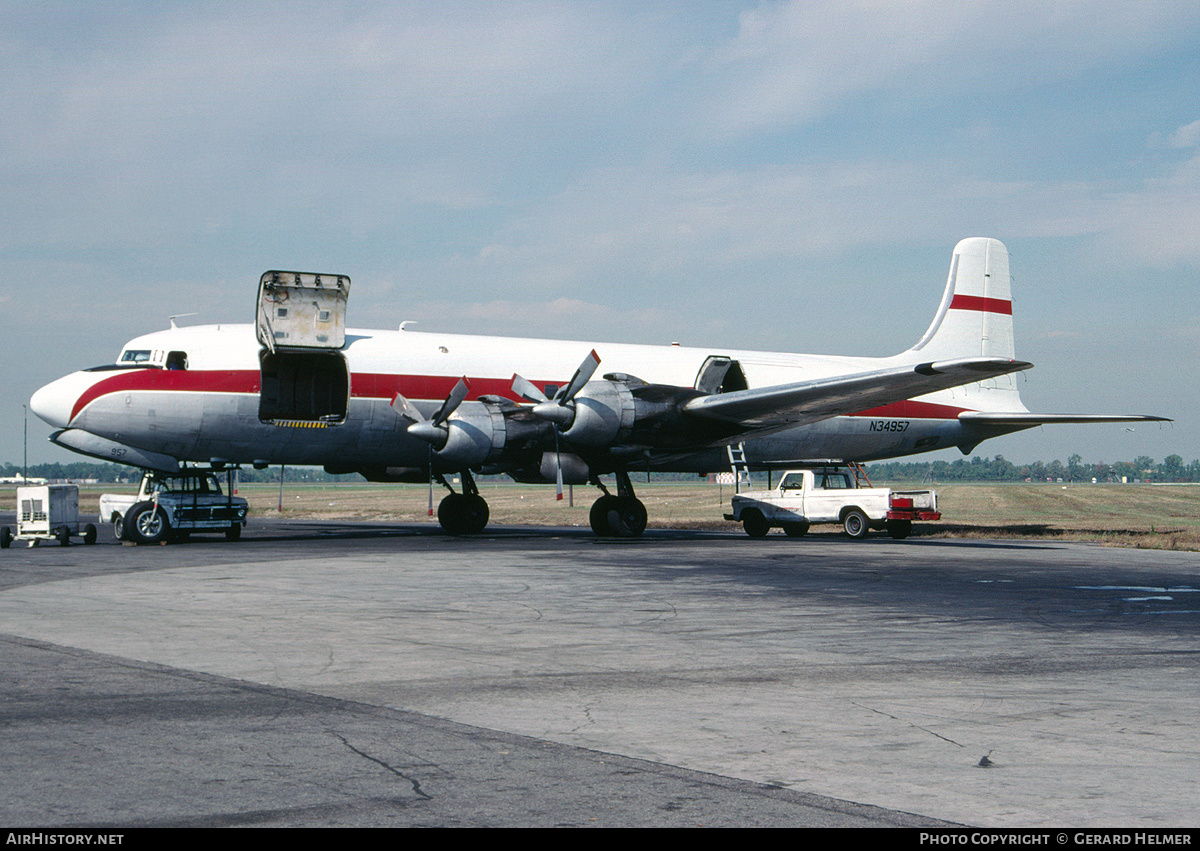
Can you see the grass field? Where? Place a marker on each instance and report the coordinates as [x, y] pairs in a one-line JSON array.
[[1157, 516]]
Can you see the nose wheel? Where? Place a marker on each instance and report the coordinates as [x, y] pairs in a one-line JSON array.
[[622, 515]]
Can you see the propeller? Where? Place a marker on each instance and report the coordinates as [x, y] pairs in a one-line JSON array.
[[434, 432], [561, 409]]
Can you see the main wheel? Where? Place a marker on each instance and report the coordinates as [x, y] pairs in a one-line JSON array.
[[450, 514], [755, 523], [855, 523], [626, 517], [147, 524], [598, 516], [475, 513]]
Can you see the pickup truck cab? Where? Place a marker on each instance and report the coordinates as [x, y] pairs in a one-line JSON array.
[[170, 507], [831, 494]]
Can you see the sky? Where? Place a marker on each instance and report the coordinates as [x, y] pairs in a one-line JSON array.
[[788, 176]]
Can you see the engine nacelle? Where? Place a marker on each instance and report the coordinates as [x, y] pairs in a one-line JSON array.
[[475, 435], [605, 412]]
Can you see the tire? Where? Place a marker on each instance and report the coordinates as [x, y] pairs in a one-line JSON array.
[[89, 534], [145, 523], [118, 527], [899, 529], [855, 523], [234, 532], [598, 516], [475, 514], [626, 517], [6, 538], [64, 537], [462, 514], [755, 523], [796, 530]]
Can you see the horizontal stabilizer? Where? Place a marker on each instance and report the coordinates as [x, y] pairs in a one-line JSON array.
[[810, 401], [1024, 418]]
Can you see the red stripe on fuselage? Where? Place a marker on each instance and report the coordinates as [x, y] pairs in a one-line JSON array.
[[371, 385], [979, 303], [368, 385]]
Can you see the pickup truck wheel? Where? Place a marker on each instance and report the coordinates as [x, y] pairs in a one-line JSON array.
[[795, 530], [118, 526], [234, 532], [147, 524], [755, 523], [899, 529], [855, 523]]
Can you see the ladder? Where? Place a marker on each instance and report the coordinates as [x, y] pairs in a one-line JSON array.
[[741, 469]]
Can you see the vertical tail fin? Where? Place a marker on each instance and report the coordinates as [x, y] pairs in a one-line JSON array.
[[975, 316]]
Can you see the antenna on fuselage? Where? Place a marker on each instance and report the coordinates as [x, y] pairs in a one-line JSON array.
[[172, 319]]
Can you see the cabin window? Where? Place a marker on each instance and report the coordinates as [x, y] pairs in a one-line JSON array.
[[310, 386]]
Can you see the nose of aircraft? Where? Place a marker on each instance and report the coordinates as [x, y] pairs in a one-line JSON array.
[[54, 402]]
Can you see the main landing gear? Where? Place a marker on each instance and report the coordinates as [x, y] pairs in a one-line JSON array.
[[620, 516], [463, 513]]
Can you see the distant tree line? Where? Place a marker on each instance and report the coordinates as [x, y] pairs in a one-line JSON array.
[[999, 469], [977, 469]]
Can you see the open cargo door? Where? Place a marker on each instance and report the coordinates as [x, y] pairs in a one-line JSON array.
[[301, 324]]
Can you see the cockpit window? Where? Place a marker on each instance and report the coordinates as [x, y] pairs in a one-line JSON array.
[[135, 356], [177, 360]]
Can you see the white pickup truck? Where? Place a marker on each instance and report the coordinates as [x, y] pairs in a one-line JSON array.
[[830, 494], [170, 507]]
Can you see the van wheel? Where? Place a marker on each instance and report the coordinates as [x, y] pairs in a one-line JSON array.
[[855, 523], [147, 524], [755, 523]]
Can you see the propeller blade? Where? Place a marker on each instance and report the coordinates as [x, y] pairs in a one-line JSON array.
[[526, 389], [407, 409], [460, 391], [581, 377]]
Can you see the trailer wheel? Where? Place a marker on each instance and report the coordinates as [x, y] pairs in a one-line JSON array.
[[855, 523], [89, 534], [795, 530], [6, 538], [755, 523], [64, 537], [147, 524], [899, 529]]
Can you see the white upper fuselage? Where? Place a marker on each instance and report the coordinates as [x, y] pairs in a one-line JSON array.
[[210, 409]]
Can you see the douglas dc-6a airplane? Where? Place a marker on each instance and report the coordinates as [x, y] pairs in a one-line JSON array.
[[297, 387]]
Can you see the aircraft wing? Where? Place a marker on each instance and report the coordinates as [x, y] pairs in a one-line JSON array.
[[1004, 418], [810, 401]]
